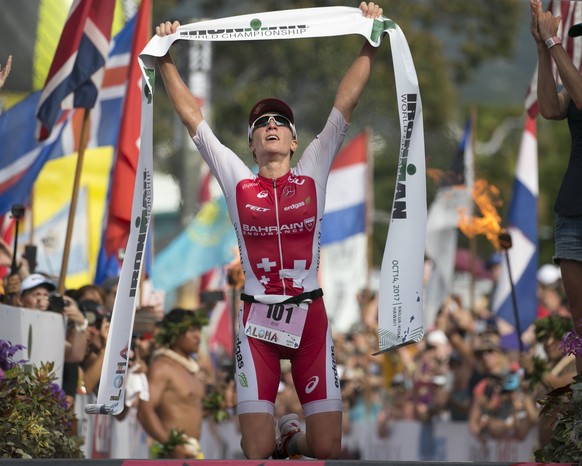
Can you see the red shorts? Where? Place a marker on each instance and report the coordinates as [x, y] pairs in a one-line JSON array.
[[314, 371]]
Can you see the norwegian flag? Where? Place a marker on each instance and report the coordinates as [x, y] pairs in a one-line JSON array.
[[571, 13], [22, 156], [76, 73]]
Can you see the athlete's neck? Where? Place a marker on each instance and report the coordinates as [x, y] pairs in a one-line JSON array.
[[275, 169]]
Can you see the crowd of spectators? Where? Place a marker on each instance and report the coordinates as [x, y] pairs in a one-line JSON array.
[[460, 371]]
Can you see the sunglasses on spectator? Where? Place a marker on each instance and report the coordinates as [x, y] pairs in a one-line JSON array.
[[279, 120]]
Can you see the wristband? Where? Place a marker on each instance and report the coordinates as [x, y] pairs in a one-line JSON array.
[[552, 41]]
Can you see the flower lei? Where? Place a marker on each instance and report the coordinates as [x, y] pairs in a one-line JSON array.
[[187, 363]]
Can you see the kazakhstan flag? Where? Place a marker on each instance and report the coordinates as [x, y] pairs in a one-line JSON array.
[[208, 242]]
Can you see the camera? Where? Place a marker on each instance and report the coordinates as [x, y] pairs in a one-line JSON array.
[[93, 312], [511, 382], [57, 303]]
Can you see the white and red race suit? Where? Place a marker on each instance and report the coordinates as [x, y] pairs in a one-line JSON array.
[[278, 224]]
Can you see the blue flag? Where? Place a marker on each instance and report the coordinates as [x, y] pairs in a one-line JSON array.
[[523, 255], [209, 241]]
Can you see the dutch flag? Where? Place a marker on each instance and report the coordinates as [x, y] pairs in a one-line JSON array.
[[345, 202]]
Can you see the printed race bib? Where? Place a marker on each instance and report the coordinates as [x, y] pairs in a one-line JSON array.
[[276, 323]]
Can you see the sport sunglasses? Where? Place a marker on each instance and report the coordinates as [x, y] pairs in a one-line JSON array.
[[279, 120]]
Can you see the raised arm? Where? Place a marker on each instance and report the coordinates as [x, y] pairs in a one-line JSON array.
[[553, 104], [355, 79], [182, 99]]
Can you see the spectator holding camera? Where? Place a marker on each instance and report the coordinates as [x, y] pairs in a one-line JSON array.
[[501, 408], [90, 292], [35, 293]]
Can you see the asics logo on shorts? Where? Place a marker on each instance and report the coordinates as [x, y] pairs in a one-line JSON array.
[[313, 381]]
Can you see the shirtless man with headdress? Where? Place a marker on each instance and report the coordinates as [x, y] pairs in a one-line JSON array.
[[173, 414]]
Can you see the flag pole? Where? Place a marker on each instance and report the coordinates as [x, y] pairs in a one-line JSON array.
[[369, 205], [470, 183], [367, 298], [77, 181], [505, 242]]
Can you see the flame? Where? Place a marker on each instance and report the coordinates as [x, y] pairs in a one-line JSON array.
[[486, 198]]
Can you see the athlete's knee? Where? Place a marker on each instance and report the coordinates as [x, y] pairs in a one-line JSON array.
[[256, 449], [326, 450]]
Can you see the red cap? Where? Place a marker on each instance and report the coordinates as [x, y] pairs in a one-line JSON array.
[[271, 105]]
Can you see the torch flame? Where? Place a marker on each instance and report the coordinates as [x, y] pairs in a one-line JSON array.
[[486, 198]]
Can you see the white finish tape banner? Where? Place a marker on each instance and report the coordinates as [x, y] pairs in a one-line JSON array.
[[400, 307]]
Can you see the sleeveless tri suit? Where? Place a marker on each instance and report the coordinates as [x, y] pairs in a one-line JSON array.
[[278, 225]]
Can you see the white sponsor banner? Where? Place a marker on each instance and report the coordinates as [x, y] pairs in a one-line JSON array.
[[42, 333]]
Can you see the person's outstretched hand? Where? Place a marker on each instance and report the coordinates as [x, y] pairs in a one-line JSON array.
[[371, 10], [167, 28]]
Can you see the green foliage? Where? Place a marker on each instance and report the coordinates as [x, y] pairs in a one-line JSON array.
[[34, 416], [553, 326], [165, 450], [213, 403], [564, 405]]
